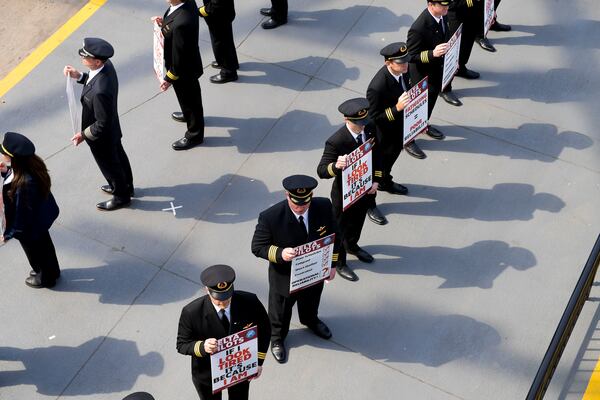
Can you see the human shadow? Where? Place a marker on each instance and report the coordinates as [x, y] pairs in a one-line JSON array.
[[193, 197], [503, 202], [330, 20], [579, 36], [477, 265], [547, 86], [410, 336], [309, 63], [51, 369], [545, 138], [245, 133], [108, 281]]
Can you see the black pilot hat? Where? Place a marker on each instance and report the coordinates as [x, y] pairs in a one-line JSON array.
[[442, 2], [16, 145], [219, 281], [356, 110], [96, 48], [300, 188], [139, 396], [397, 52]]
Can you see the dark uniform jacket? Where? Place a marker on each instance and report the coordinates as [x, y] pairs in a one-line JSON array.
[[100, 117], [461, 11], [218, 10], [27, 213], [182, 54], [423, 36], [199, 321], [340, 143], [278, 228], [383, 93]]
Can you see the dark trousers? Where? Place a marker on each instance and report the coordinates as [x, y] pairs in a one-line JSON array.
[[434, 91], [390, 151], [221, 39], [189, 97], [279, 10], [280, 309], [237, 392], [350, 223], [42, 257], [114, 165], [467, 39]]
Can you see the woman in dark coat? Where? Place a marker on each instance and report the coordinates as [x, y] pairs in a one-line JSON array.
[[29, 207]]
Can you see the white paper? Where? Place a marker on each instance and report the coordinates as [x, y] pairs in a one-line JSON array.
[[159, 53], [74, 107]]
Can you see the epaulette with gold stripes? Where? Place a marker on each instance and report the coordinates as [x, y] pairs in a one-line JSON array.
[[425, 56], [273, 254], [469, 3], [203, 11], [197, 348], [389, 114], [172, 76]]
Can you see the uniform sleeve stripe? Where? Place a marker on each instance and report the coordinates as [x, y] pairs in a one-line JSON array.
[[378, 173], [172, 76], [273, 254], [389, 114], [197, 348], [262, 355], [330, 169], [334, 257], [424, 56], [469, 3]]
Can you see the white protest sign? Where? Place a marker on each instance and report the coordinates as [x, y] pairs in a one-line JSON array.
[[451, 57], [357, 177], [235, 360], [74, 106], [416, 111], [312, 263], [488, 15], [159, 53]]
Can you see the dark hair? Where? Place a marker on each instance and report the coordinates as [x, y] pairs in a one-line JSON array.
[[33, 166]]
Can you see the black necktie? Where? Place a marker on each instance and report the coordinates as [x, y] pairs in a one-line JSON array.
[[441, 24], [401, 81], [301, 220], [359, 139], [224, 320]]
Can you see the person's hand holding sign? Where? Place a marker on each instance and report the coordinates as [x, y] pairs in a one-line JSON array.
[[288, 254], [402, 101], [210, 345], [341, 162]]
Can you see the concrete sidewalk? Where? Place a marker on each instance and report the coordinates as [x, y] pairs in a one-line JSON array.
[[471, 274]]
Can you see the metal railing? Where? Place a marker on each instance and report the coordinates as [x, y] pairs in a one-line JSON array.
[[566, 325]]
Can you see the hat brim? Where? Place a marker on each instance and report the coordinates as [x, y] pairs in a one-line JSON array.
[[361, 122], [221, 296]]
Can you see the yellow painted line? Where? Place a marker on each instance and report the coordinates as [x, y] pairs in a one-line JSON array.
[[43, 50], [592, 392]]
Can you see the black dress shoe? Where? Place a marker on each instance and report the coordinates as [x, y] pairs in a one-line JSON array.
[[113, 204], [345, 272], [361, 254], [178, 116], [273, 23], [414, 150], [393, 188], [485, 44], [451, 98], [498, 27], [109, 190], [185, 143], [376, 216], [36, 282], [267, 12], [215, 64], [321, 330], [434, 133], [278, 351], [467, 73], [221, 78]]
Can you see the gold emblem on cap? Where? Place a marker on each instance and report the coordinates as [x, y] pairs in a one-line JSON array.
[[362, 112], [221, 285], [301, 190], [403, 49]]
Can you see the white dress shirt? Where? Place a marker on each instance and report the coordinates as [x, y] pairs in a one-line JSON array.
[[173, 8], [227, 311], [93, 73]]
